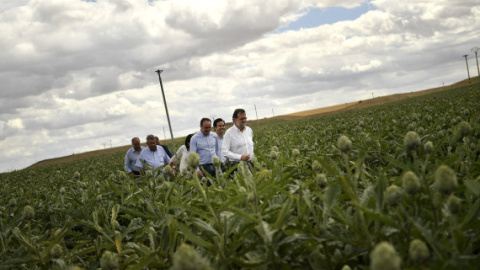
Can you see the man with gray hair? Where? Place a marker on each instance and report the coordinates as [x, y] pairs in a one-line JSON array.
[[153, 156], [132, 156]]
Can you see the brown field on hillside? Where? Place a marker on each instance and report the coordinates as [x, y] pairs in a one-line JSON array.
[[292, 116], [372, 102]]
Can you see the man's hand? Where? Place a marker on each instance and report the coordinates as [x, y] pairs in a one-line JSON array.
[[245, 157], [200, 173]]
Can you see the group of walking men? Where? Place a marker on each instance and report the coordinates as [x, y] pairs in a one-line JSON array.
[[233, 146]]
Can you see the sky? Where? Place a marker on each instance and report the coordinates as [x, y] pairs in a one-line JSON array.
[[77, 76]]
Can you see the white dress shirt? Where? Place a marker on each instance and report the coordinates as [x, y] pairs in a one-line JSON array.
[[237, 143], [183, 152], [154, 159]]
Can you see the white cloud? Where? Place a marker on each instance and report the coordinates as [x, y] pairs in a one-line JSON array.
[[16, 123], [86, 70], [358, 67]]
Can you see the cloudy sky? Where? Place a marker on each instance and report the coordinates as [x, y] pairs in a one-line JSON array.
[[77, 76]]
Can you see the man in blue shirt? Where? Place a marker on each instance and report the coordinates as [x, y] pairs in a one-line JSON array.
[[132, 156], [206, 146], [153, 156]]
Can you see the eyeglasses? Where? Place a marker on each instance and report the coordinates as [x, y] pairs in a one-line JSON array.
[[243, 118]]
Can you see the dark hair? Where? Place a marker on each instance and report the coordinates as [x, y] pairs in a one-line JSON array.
[[187, 140], [203, 120], [135, 138], [216, 121], [150, 137], [236, 112], [157, 139]]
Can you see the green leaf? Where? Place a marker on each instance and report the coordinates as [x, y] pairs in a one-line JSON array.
[[251, 263], [264, 230], [22, 238], [377, 216], [347, 189], [167, 196], [381, 185], [137, 213], [331, 195], [16, 262], [472, 215], [431, 239], [284, 213], [191, 209], [144, 262], [202, 225], [473, 186], [165, 236], [244, 214], [190, 236]]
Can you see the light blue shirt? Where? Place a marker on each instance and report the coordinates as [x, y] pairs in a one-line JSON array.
[[131, 159], [219, 150], [205, 146], [154, 159]]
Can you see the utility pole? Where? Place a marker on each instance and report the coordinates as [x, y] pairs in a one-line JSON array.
[[475, 50], [466, 62], [166, 110], [256, 110], [468, 72]]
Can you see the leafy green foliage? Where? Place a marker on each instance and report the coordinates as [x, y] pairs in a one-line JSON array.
[[327, 204]]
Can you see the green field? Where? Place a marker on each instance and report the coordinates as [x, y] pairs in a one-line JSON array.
[[387, 187]]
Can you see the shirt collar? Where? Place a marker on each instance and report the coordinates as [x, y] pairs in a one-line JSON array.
[[209, 134], [236, 128]]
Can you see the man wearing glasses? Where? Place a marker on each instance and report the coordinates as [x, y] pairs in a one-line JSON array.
[[238, 140]]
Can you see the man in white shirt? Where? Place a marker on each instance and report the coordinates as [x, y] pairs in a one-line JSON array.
[[238, 140], [219, 127]]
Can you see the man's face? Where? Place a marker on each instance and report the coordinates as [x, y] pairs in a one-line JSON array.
[[241, 120], [136, 144], [220, 128], [152, 145], [206, 127]]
